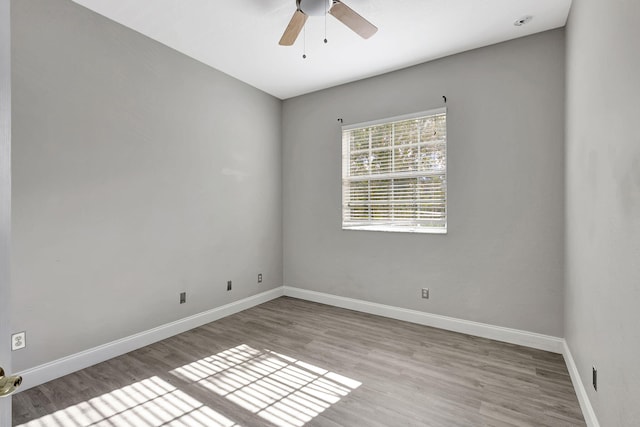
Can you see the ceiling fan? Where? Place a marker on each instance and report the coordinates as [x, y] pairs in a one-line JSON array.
[[339, 10]]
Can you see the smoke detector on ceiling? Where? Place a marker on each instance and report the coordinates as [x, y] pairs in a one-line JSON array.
[[524, 20]]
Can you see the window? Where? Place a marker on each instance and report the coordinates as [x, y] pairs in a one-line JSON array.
[[394, 174]]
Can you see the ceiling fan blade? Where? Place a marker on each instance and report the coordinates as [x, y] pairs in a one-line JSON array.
[[352, 19], [293, 29]]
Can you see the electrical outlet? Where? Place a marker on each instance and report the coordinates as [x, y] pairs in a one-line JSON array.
[[18, 341], [260, 278], [183, 297], [594, 377], [425, 293], [228, 285]]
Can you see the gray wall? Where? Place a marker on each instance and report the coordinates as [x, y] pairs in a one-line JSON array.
[[502, 259], [137, 173], [5, 203], [603, 204]]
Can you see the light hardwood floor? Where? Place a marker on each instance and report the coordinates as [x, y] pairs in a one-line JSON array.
[[290, 362]]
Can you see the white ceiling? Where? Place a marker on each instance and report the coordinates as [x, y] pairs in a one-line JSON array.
[[240, 37]]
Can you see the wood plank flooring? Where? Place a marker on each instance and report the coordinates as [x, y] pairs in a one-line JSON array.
[[290, 362]]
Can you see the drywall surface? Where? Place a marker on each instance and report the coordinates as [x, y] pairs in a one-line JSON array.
[[138, 173], [5, 203], [603, 204], [502, 260]]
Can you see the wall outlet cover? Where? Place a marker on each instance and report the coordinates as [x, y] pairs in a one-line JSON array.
[[18, 341]]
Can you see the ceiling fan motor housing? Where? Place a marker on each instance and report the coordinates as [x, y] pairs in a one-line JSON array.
[[314, 7]]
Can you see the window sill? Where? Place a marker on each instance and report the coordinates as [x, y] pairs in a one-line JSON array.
[[420, 230]]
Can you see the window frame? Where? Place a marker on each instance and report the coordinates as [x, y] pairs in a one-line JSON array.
[[409, 226]]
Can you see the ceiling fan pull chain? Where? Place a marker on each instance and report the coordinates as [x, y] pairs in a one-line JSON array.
[[304, 43], [326, 11]]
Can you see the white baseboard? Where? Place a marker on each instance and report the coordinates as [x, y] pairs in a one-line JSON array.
[[66, 365], [585, 404], [498, 333], [513, 336]]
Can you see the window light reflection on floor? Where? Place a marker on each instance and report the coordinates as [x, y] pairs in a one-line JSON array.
[[281, 389], [151, 402]]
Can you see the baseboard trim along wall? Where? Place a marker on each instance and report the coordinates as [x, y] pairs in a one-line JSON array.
[[585, 404], [498, 333], [75, 362], [66, 365]]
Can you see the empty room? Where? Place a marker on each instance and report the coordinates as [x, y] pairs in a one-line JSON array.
[[289, 213]]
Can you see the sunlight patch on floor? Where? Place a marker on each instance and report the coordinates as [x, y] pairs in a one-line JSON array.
[[151, 402], [281, 389]]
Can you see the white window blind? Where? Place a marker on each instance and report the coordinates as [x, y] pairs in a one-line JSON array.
[[394, 174]]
